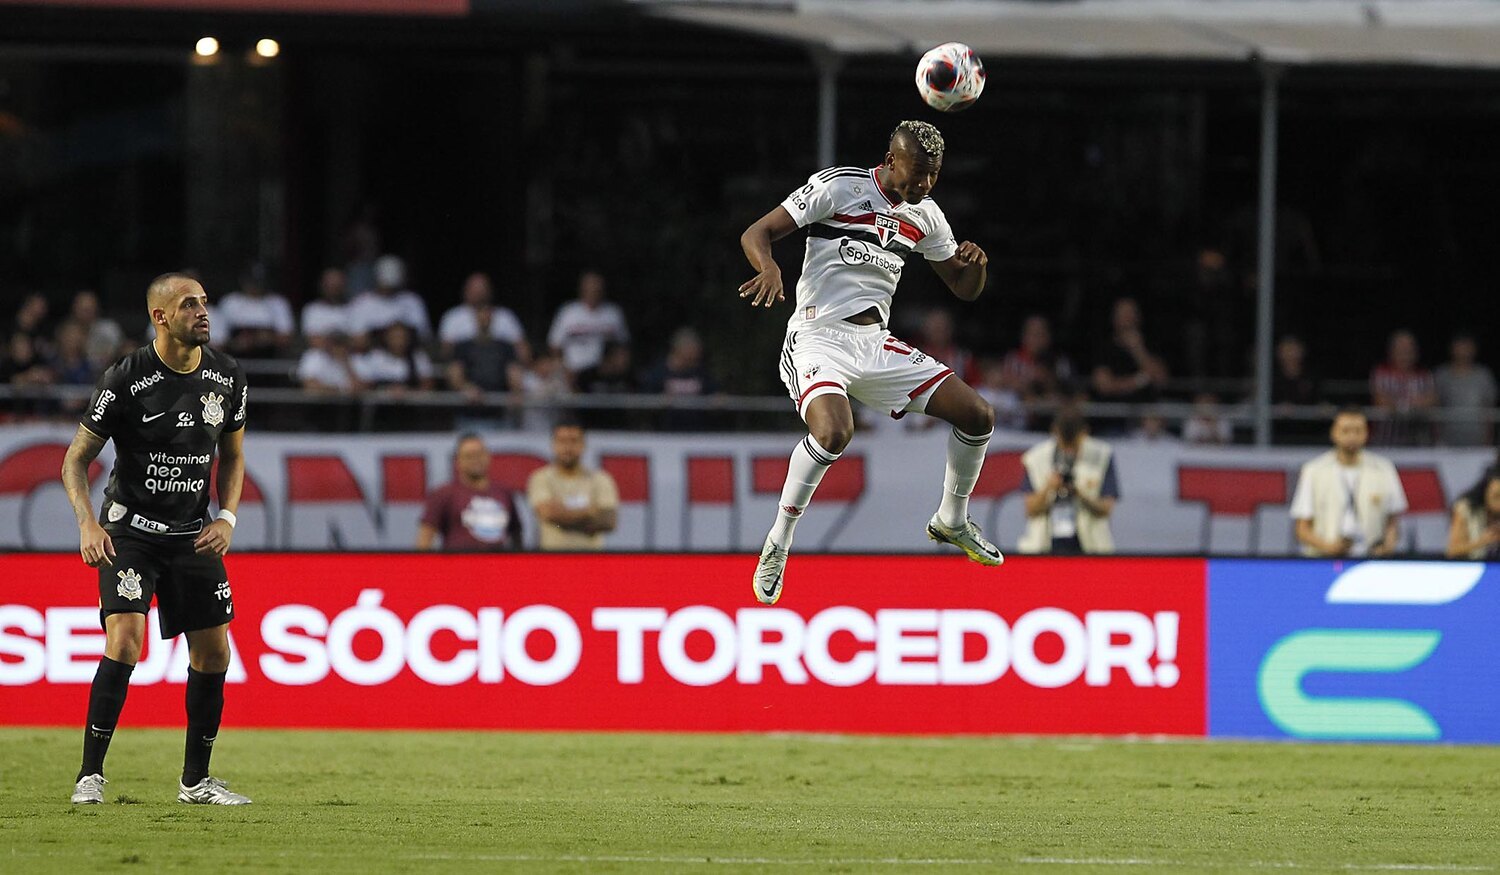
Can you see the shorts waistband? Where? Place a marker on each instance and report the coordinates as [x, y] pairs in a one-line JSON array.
[[119, 514], [848, 327]]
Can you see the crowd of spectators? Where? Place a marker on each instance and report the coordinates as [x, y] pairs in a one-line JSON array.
[[368, 332]]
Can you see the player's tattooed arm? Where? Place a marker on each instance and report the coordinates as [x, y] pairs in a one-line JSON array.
[[217, 535], [94, 544], [765, 289], [965, 272]]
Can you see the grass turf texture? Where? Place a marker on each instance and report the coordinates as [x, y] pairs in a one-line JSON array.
[[482, 802]]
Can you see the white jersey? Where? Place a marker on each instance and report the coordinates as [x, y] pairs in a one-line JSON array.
[[857, 244]]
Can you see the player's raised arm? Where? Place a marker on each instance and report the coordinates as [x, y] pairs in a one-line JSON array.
[[765, 288], [966, 271], [94, 543]]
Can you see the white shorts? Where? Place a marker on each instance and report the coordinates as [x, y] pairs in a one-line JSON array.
[[862, 361]]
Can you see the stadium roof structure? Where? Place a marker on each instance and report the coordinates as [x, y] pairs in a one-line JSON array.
[[1434, 33]]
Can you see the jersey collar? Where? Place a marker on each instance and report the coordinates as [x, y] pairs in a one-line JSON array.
[[876, 179]]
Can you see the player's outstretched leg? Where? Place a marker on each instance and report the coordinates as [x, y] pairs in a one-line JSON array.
[[830, 424], [208, 657], [124, 634], [973, 421]]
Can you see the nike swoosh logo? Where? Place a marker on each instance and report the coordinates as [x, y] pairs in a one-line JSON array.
[[157, 416]]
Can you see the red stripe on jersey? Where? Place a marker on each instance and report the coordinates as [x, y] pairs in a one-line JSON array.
[[810, 389], [947, 372], [908, 230]]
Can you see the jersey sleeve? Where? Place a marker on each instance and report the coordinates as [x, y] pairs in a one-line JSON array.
[[811, 202], [106, 406], [606, 495], [938, 244], [239, 394], [1302, 498]]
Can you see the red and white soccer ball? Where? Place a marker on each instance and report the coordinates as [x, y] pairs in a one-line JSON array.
[[950, 77]]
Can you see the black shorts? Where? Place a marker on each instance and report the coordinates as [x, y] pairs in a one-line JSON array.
[[192, 591]]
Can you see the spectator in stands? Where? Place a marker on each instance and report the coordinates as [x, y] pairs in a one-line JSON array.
[[1035, 371], [937, 340], [1153, 428], [331, 313], [583, 326], [1125, 370], [681, 375], [995, 387], [471, 513], [545, 381], [1071, 487], [1475, 529], [1294, 385], [483, 362], [462, 322], [31, 320], [103, 334], [396, 364], [1403, 391], [612, 376], [389, 302], [1466, 387], [22, 364], [1206, 426], [328, 368], [575, 505], [70, 362], [1348, 501], [254, 322]]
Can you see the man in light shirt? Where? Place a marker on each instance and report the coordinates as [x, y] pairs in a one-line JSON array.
[[256, 321], [330, 313], [461, 323], [1348, 502], [390, 302], [582, 327], [574, 505]]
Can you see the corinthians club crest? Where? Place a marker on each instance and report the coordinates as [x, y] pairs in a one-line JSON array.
[[213, 408], [130, 584]]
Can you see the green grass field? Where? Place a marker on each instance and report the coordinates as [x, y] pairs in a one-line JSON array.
[[472, 802]]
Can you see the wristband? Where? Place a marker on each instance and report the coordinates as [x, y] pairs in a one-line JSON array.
[[228, 517]]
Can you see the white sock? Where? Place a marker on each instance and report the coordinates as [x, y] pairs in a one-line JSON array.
[[965, 459], [809, 463]]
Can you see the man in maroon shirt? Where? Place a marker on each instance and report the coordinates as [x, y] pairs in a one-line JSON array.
[[471, 513]]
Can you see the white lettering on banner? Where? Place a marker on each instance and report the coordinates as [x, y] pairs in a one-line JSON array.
[[1029, 667], [953, 627], [630, 626], [821, 629], [672, 646], [756, 652], [900, 637], [1134, 655], [498, 644], [63, 646]]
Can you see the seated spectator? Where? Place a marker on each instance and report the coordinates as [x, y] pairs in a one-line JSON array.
[[22, 365], [472, 512], [254, 322], [614, 375], [1153, 429], [388, 303], [1035, 371], [461, 323], [995, 388], [70, 363], [1404, 391], [1466, 387], [681, 375], [1294, 385], [1125, 369], [1475, 529], [545, 381], [583, 326], [104, 335], [937, 340], [483, 362], [328, 368], [1206, 427], [31, 320], [396, 364], [331, 313]]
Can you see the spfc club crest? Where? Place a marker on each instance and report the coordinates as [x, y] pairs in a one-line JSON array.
[[887, 229], [130, 584], [213, 408]]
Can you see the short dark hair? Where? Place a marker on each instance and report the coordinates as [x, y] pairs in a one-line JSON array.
[[1069, 424], [1351, 410], [466, 437], [567, 420]]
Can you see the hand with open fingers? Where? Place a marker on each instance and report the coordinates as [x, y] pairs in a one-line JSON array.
[[970, 253], [95, 545], [214, 539], [764, 289]]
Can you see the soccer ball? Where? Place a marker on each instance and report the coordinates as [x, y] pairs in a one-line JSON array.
[[950, 77]]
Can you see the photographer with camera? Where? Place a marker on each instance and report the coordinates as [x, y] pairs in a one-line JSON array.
[[1071, 488]]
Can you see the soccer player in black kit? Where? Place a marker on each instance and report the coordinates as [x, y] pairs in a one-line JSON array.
[[167, 406]]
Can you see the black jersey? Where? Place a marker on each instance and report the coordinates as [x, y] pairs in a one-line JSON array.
[[165, 426]]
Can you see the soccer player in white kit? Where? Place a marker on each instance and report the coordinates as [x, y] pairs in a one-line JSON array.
[[862, 225]]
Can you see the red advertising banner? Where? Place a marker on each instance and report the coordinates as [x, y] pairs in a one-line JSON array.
[[881, 644]]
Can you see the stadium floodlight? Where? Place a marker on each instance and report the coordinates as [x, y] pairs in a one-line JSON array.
[[267, 48], [207, 47]]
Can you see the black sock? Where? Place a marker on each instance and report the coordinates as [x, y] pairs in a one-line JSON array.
[[205, 705], [106, 698]]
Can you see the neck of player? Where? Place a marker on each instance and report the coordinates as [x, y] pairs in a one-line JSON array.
[[179, 357], [1348, 457]]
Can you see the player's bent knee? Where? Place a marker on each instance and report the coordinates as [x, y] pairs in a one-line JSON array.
[[983, 421], [834, 436]]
